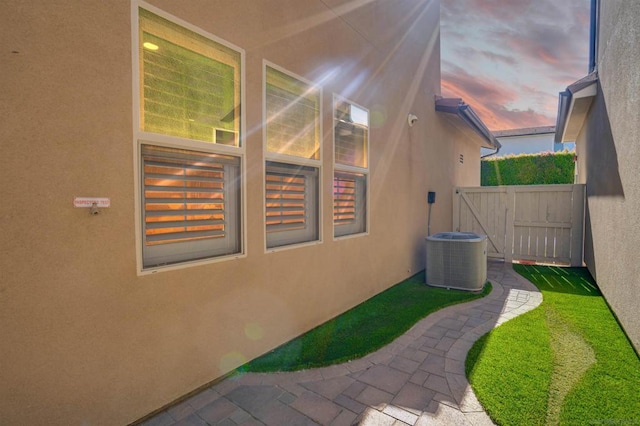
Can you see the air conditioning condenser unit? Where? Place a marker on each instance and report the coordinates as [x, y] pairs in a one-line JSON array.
[[457, 260]]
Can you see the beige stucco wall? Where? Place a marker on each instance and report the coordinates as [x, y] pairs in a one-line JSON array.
[[608, 156], [85, 339]]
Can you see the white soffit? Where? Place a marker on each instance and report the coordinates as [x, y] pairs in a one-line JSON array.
[[571, 117]]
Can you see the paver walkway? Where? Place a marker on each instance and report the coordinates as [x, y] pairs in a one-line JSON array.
[[418, 379]]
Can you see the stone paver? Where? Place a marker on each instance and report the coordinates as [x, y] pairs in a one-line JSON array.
[[385, 378], [418, 379], [330, 388]]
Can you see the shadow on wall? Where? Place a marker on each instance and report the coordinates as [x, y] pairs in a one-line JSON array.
[[588, 244], [603, 175]]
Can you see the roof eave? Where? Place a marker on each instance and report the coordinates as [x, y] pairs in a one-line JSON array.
[[464, 111], [573, 106]]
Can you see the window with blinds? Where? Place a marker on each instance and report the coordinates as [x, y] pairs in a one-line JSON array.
[[190, 191], [349, 208], [351, 168], [190, 205], [292, 151], [190, 84], [290, 204], [293, 116]]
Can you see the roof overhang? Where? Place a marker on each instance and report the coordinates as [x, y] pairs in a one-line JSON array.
[[573, 106], [527, 131], [464, 114]]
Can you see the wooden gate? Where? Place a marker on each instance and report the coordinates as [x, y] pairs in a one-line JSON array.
[[538, 223]]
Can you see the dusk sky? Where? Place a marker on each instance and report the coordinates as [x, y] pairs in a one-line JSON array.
[[508, 59]]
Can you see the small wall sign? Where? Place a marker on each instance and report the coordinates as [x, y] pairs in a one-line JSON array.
[[88, 202]]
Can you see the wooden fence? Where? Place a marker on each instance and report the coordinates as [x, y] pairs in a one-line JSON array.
[[538, 223]]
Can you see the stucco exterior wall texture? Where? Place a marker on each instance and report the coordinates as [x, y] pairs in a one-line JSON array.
[[87, 340], [608, 158]]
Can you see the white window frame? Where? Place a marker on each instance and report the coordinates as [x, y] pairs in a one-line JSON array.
[[349, 169], [141, 137], [291, 160]]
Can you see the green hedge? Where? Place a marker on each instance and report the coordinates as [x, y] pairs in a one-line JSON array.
[[528, 169]]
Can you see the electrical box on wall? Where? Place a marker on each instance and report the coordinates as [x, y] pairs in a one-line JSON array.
[[431, 197]]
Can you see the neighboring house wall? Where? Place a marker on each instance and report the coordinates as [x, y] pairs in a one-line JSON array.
[[525, 144], [608, 159], [531, 140], [85, 338]]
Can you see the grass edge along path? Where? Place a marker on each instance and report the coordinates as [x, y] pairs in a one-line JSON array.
[[509, 379], [566, 362], [363, 329]]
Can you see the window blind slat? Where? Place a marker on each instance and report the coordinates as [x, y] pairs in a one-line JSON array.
[[288, 226], [185, 222], [177, 238]]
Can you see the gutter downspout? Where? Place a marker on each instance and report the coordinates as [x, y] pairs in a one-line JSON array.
[[564, 103], [593, 36], [491, 153]]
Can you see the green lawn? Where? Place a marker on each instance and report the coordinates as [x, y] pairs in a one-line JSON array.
[[566, 362], [363, 329]]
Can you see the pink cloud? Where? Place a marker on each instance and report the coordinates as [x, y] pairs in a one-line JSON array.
[[496, 57], [469, 52], [545, 31], [548, 44], [488, 100], [501, 9], [478, 87]]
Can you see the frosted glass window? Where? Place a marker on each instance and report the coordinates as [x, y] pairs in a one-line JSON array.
[[293, 116], [351, 134], [190, 85]]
